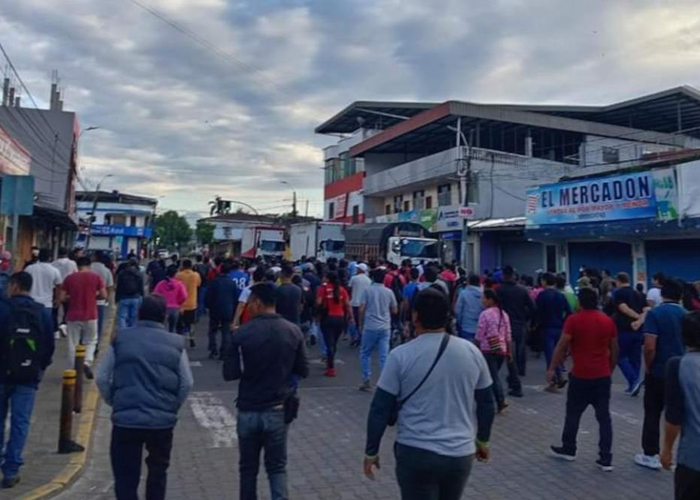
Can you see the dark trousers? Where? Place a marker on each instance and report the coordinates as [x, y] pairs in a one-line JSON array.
[[516, 367], [218, 324], [495, 362], [258, 430], [126, 452], [584, 392], [424, 475], [551, 337], [653, 407], [332, 328], [630, 359], [687, 483]]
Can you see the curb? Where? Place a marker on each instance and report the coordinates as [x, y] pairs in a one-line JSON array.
[[77, 461]]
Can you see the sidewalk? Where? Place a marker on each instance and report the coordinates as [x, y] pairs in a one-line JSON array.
[[42, 462]]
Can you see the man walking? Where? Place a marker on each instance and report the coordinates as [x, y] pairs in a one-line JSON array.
[[376, 308], [628, 309], [358, 284], [439, 382], [45, 282], [288, 299], [683, 412], [591, 337], [98, 267], [145, 377], [222, 298], [468, 308], [520, 309], [663, 339], [129, 294], [83, 289], [202, 268], [264, 355], [64, 264], [26, 349], [192, 282], [552, 311]]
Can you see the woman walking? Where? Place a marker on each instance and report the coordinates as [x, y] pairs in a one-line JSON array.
[[494, 339], [333, 303], [174, 293]]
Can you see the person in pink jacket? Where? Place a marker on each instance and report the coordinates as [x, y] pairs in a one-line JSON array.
[[493, 337], [174, 293]]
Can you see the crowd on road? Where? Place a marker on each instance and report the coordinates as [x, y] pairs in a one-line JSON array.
[[441, 336]]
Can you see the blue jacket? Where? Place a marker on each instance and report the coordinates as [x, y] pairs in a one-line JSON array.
[[145, 377], [222, 297], [468, 308], [48, 338], [552, 309]]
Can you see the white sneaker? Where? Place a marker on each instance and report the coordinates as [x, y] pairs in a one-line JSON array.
[[646, 461], [57, 335], [64, 330]]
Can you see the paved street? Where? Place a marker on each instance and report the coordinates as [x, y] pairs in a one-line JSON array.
[[326, 446]]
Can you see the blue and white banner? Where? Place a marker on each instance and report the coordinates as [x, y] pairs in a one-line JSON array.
[[643, 195]]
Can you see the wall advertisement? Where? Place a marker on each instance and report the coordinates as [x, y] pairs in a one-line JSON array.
[[640, 195]]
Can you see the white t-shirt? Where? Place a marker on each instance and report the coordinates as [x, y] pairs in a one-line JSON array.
[[439, 417], [45, 279], [100, 269], [358, 284], [243, 297], [654, 296], [65, 266]]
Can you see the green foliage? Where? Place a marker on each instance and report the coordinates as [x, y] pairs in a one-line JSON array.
[[205, 233], [172, 231]]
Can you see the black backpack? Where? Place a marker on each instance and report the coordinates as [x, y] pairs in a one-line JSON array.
[[128, 283], [24, 344], [397, 288]]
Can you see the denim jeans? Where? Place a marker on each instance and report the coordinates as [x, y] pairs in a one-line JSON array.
[[216, 325], [201, 301], [630, 360], [687, 483], [19, 400], [495, 362], [581, 393], [171, 319], [551, 337], [128, 311], [371, 340], [101, 311], [126, 452], [257, 431], [423, 474]]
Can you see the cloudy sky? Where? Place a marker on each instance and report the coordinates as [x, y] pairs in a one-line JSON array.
[[235, 116]]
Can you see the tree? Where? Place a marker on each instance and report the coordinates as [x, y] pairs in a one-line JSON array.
[[205, 233], [219, 206], [172, 231]]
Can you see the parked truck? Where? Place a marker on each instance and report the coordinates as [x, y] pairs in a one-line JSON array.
[[323, 240], [394, 242], [263, 241]]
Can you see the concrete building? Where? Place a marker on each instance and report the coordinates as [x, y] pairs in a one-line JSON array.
[[49, 138], [121, 223], [399, 161]]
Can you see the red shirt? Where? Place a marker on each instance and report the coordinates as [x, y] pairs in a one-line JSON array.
[[389, 279], [335, 308], [591, 333], [82, 288], [448, 275]]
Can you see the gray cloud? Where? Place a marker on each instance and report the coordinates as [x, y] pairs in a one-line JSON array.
[[180, 121]]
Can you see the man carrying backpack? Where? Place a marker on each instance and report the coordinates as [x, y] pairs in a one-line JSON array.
[[129, 294], [26, 349]]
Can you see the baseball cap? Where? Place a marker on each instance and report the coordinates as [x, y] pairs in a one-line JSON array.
[[363, 266]]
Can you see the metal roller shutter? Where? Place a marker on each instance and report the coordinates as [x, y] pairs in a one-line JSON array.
[[611, 255], [525, 256], [677, 258]]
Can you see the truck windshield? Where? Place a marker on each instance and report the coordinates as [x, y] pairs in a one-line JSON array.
[[272, 246], [418, 248], [334, 246]]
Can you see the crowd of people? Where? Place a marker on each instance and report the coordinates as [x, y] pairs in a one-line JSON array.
[[441, 336]]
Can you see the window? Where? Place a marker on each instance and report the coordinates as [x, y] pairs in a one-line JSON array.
[[611, 155], [444, 195], [132, 221], [118, 220], [407, 206], [331, 210], [355, 214], [387, 209], [428, 202], [398, 201], [418, 200]]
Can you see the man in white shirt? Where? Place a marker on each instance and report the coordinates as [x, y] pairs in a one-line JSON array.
[[64, 265], [98, 267], [654, 294], [45, 282], [358, 284]]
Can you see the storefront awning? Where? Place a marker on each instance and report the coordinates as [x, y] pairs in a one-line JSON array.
[[55, 217], [616, 230]]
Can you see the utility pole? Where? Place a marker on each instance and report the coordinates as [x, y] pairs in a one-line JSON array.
[[464, 167], [306, 212], [294, 204]]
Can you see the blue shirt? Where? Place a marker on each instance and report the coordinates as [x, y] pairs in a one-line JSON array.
[[468, 309], [552, 309], [665, 322], [682, 396], [240, 278], [410, 290]]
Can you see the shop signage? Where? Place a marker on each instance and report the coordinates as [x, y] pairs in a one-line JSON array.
[[448, 219], [426, 218], [643, 195], [14, 159], [133, 231], [689, 188], [467, 212]]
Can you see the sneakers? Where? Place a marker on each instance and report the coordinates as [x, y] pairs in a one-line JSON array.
[[330, 372], [502, 408], [552, 388], [366, 386], [604, 465], [650, 462], [516, 393], [559, 453], [634, 391], [192, 343], [63, 329], [88, 372], [10, 482]]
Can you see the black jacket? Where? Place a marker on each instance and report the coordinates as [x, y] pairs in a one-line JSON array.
[[272, 350], [222, 297], [516, 301], [129, 284]]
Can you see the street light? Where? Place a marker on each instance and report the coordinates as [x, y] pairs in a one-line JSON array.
[[294, 197], [88, 129], [94, 209]]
